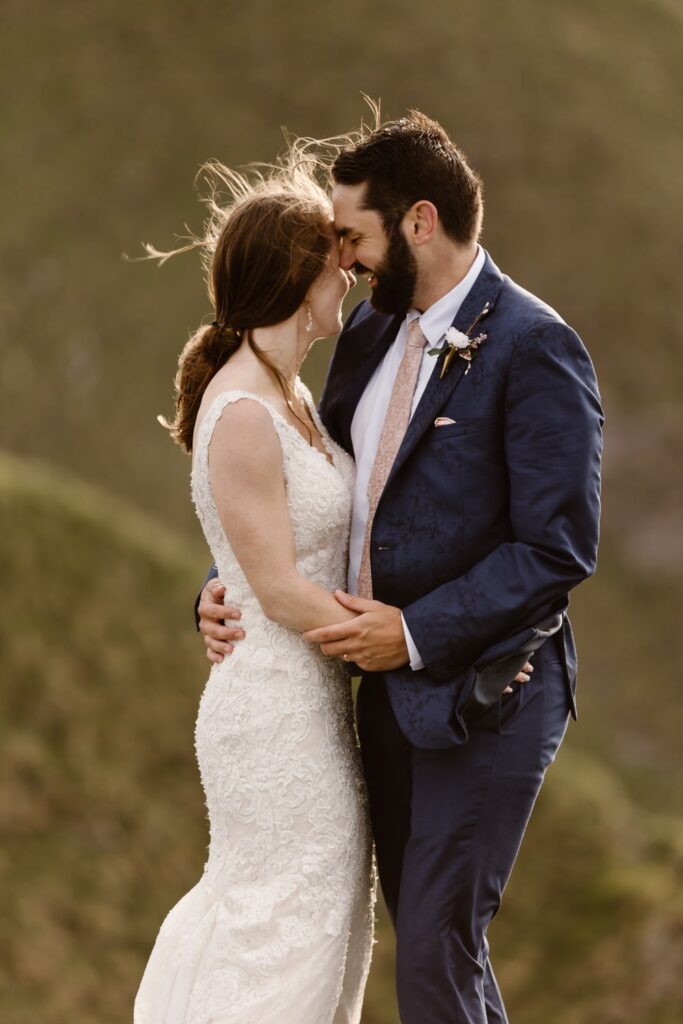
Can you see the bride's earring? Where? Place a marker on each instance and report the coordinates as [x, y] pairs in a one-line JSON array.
[[309, 318]]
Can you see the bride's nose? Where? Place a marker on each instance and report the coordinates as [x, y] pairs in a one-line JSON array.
[[346, 257]]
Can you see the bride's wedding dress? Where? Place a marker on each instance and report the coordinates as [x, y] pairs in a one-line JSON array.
[[279, 927]]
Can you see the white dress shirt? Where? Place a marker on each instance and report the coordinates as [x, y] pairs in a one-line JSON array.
[[368, 419]]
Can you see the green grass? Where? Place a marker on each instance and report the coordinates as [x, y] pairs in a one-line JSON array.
[[102, 815]]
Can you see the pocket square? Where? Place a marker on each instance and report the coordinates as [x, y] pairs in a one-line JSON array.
[[443, 421]]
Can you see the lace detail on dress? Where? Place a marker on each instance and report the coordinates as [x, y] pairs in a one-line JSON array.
[[280, 926]]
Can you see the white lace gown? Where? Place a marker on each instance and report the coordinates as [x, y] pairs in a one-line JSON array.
[[279, 928]]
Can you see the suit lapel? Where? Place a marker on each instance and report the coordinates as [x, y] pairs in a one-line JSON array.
[[485, 289], [369, 354], [362, 348]]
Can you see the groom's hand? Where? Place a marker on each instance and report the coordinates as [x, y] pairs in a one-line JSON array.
[[219, 634], [374, 639]]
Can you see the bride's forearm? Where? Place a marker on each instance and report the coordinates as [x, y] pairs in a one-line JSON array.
[[251, 499], [299, 604]]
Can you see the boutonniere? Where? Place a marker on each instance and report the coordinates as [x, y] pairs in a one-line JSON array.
[[461, 343]]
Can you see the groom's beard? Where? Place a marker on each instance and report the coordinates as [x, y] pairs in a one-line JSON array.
[[396, 277]]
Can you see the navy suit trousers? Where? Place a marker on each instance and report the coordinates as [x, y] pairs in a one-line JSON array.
[[448, 826]]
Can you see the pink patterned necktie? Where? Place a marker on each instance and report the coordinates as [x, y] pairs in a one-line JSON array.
[[393, 432]]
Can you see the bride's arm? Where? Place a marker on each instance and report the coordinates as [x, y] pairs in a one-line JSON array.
[[246, 474]]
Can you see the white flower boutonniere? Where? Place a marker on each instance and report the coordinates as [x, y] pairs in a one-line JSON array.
[[461, 343]]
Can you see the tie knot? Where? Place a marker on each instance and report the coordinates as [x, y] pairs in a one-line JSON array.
[[416, 338]]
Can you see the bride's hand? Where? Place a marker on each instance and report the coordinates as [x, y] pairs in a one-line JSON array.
[[522, 677], [218, 637]]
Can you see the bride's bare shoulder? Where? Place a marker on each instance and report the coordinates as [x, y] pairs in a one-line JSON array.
[[238, 379], [244, 424], [245, 449]]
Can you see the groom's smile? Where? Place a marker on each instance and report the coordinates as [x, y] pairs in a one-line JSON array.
[[360, 231], [367, 247]]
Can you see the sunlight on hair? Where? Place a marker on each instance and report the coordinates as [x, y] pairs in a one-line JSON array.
[[301, 172], [297, 175], [281, 210]]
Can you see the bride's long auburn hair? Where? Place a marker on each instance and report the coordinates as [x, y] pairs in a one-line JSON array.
[[266, 241]]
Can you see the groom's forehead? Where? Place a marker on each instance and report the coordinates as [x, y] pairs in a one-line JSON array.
[[350, 213]]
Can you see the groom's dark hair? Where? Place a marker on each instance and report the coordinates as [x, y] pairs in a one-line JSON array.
[[407, 160]]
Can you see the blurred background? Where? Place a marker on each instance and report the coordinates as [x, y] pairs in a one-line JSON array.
[[571, 112]]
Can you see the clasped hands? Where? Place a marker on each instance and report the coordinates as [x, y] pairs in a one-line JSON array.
[[374, 639]]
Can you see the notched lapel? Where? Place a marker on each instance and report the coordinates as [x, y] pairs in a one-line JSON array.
[[485, 289], [362, 353], [369, 351]]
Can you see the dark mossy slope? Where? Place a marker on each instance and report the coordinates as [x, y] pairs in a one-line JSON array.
[[101, 809]]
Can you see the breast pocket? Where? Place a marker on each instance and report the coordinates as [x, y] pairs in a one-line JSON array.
[[469, 459], [466, 429]]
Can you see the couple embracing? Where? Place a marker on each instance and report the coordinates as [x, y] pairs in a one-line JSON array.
[[424, 524]]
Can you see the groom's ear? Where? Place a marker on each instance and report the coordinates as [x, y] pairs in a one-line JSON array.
[[421, 222]]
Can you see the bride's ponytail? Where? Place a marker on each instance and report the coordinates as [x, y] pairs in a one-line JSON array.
[[208, 349], [265, 244]]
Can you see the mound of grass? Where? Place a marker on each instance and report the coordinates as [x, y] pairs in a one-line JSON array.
[[592, 921], [102, 816]]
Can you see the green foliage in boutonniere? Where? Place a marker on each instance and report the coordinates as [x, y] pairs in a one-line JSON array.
[[460, 343]]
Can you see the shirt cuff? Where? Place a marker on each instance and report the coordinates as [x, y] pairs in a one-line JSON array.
[[416, 661]]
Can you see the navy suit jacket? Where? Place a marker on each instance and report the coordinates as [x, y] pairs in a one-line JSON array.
[[486, 524]]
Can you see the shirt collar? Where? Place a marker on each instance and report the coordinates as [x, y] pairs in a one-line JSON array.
[[436, 320]]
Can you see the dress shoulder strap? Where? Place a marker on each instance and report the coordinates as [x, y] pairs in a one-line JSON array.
[[214, 413]]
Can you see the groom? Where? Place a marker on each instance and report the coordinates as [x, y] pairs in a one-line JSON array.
[[473, 414]]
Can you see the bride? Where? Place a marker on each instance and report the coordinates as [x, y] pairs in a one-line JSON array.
[[279, 927]]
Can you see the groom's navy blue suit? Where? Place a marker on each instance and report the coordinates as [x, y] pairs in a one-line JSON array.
[[483, 528]]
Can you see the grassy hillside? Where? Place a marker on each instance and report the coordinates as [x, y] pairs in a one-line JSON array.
[[101, 809], [102, 818], [592, 922], [630, 652]]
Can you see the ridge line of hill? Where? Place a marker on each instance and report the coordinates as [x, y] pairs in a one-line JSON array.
[[92, 503]]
